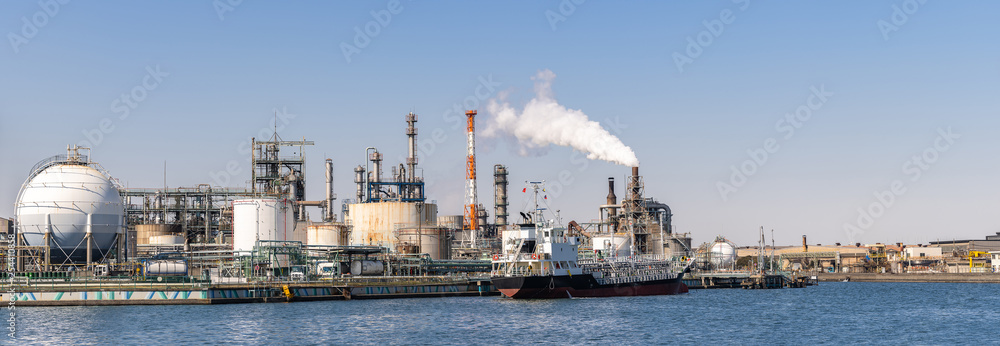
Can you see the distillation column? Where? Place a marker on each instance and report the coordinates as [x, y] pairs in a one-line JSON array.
[[411, 160], [500, 182]]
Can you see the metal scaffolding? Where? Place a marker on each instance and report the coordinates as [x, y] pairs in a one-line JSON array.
[[276, 174], [204, 213]]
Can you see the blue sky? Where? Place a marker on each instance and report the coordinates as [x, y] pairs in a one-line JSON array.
[[221, 78]]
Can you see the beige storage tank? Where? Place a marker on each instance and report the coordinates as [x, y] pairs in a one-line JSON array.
[[327, 234], [166, 240], [147, 231], [375, 224], [451, 221], [434, 242], [456, 222]]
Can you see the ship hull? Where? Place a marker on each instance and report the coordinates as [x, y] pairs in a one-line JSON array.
[[580, 286]]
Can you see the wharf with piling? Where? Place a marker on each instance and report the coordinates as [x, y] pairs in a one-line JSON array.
[[123, 292]]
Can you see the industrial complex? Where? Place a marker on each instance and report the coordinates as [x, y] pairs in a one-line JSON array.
[[78, 237], [77, 231]]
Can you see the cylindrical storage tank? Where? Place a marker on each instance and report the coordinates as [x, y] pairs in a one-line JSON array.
[[722, 255], [67, 198], [367, 268], [145, 232], [165, 268], [261, 219], [432, 241], [618, 244], [451, 221], [166, 240], [375, 223], [326, 234]]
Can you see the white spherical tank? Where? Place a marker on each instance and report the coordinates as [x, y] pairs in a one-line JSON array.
[[261, 219], [67, 198], [723, 254]]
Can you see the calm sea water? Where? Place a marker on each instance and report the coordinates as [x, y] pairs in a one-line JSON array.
[[832, 313]]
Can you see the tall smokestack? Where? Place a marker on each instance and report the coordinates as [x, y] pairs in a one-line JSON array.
[[328, 213], [471, 208], [612, 199], [805, 247], [634, 185]]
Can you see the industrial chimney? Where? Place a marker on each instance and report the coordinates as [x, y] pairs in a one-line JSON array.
[[328, 211], [612, 200]]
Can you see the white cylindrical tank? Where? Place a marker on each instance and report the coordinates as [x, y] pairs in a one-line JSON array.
[[619, 244], [261, 219], [145, 232], [374, 223], [722, 254], [367, 268], [67, 198], [165, 268]]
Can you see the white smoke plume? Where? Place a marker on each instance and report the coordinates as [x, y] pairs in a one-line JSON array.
[[544, 122]]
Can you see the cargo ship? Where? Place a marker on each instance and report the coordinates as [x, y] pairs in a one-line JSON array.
[[541, 260]]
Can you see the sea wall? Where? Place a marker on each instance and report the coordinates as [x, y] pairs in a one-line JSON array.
[[911, 277]]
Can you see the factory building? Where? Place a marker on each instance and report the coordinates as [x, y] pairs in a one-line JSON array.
[[637, 225]]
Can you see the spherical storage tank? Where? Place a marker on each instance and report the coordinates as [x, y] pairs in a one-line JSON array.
[[723, 253], [67, 196], [261, 219]]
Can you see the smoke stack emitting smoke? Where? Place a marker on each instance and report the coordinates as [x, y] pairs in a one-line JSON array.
[[544, 122]]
